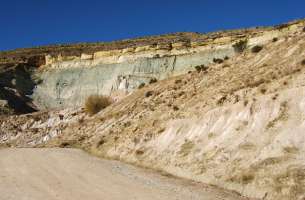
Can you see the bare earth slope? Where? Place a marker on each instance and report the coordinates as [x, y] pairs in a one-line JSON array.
[[63, 174]]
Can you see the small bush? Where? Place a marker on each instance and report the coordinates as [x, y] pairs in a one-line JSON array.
[[240, 46], [246, 102], [96, 103], [218, 60], [247, 178], [148, 93], [141, 85], [275, 39], [139, 152], [303, 62], [275, 97], [178, 81], [200, 68], [81, 120], [225, 66], [226, 58], [256, 49], [156, 56], [175, 108], [152, 80], [304, 29], [263, 90], [221, 100]]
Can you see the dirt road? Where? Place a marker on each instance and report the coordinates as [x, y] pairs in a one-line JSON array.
[[64, 174]]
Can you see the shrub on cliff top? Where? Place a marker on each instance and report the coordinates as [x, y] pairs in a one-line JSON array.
[[240, 46], [96, 103]]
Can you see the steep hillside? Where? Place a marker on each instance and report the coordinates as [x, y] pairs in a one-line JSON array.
[[237, 122]]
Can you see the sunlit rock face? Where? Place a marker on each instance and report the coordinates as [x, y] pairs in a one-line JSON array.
[[68, 83]]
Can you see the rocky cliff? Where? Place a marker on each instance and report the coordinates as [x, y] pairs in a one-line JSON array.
[[66, 76]]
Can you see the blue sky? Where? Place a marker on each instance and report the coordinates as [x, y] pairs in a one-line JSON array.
[[27, 23]]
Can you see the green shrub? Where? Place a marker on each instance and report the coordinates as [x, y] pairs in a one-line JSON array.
[[96, 103], [240, 46]]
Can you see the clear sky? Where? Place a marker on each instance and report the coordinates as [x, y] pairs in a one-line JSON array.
[[27, 23]]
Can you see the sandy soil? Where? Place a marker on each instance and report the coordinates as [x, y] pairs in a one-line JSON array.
[[72, 174]]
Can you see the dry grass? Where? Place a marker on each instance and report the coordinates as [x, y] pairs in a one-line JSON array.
[[245, 177], [282, 116], [96, 103], [186, 148], [290, 150], [246, 102], [211, 135], [263, 90], [290, 183]]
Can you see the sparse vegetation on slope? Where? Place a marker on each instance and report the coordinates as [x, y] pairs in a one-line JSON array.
[[256, 48], [96, 103]]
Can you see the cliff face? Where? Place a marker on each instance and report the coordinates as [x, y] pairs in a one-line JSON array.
[[69, 83], [69, 80]]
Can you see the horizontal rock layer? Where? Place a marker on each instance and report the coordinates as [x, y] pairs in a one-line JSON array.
[[68, 81]]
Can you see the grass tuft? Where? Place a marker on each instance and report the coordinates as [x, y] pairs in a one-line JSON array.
[[96, 103]]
